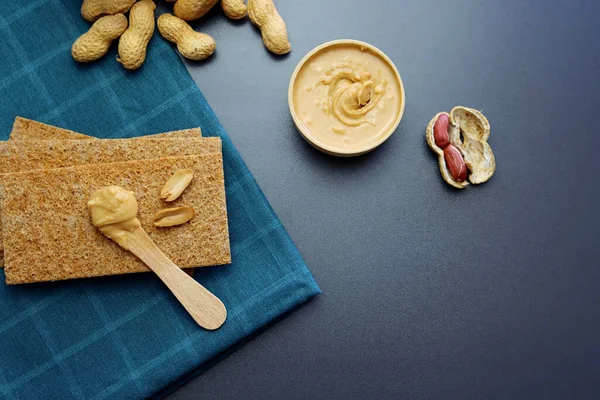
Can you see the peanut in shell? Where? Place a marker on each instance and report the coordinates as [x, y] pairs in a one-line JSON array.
[[468, 131]]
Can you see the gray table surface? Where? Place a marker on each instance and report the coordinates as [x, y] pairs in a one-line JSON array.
[[428, 292]]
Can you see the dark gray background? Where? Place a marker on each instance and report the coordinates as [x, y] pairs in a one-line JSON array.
[[428, 292]]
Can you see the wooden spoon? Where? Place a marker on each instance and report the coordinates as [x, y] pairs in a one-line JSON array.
[[206, 309]]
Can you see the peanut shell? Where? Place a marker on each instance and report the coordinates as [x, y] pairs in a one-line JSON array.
[[190, 10], [91, 10], [469, 131], [264, 15], [95, 43], [234, 9], [191, 44], [134, 41], [478, 154]]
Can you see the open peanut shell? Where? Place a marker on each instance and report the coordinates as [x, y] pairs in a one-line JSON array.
[[468, 130]]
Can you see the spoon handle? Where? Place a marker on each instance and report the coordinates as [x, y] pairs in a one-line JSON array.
[[206, 309]]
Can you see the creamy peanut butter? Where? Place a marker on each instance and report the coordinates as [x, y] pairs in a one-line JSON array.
[[347, 95], [114, 211]]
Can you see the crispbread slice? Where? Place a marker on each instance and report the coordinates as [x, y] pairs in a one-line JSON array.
[[49, 234], [28, 129], [18, 156]]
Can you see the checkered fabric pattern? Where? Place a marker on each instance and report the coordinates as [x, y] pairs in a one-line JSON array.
[[126, 336]]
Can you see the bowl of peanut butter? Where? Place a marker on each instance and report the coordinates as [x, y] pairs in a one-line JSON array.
[[346, 97]]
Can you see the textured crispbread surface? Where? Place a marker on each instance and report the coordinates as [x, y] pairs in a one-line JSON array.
[[49, 234], [28, 129], [19, 156]]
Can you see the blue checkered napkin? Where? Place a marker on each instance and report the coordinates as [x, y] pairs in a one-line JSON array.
[[126, 336]]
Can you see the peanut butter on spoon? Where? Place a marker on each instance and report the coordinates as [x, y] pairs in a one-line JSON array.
[[114, 212]]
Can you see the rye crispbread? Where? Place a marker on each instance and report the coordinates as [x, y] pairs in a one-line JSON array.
[[19, 156], [28, 129], [49, 234]]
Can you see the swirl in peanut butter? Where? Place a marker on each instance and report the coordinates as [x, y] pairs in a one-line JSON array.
[[351, 94]]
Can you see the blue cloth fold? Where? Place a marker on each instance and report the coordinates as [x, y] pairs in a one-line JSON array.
[[126, 336]]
